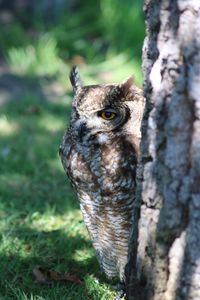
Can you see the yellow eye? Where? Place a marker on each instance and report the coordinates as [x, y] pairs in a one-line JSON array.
[[107, 115]]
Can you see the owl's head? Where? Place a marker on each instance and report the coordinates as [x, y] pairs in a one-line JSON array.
[[99, 109]]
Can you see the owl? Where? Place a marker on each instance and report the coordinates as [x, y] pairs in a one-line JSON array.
[[99, 153]]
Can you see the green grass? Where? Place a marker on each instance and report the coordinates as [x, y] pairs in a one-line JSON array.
[[40, 58], [40, 220], [103, 37]]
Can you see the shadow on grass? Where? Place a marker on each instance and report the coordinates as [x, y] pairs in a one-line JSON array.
[[40, 219], [52, 250]]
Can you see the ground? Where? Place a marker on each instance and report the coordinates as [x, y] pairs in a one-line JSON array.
[[40, 220]]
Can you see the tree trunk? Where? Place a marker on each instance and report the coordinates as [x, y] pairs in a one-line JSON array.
[[164, 261]]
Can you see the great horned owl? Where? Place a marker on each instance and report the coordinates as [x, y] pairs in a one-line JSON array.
[[99, 152]]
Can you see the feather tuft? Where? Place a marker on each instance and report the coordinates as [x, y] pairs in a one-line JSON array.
[[75, 78]]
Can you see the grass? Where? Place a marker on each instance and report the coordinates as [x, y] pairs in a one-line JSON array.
[[40, 220], [101, 36], [40, 58]]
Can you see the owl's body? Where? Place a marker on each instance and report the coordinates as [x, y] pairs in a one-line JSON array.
[[100, 154]]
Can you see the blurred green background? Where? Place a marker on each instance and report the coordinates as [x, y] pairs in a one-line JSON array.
[[43, 38], [40, 221]]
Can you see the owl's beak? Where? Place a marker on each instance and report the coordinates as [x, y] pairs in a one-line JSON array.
[[82, 129]]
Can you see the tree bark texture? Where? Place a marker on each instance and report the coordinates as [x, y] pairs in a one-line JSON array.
[[165, 248]]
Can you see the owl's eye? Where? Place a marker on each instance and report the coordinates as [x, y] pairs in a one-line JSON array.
[[107, 115]]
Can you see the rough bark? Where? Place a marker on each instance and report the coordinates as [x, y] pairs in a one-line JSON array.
[[165, 248]]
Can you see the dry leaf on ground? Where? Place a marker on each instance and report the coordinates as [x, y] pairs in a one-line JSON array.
[[44, 275]]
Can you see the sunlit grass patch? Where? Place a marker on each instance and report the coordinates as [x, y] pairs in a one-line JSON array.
[[97, 290], [82, 255], [40, 58], [51, 123], [7, 127], [50, 220]]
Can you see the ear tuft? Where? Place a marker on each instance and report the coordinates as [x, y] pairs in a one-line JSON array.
[[75, 78], [127, 84]]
